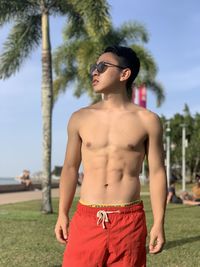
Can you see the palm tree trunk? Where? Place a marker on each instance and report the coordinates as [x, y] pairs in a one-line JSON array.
[[46, 114]]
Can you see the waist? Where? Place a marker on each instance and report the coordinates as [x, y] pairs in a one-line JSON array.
[[100, 205], [92, 210], [102, 191]]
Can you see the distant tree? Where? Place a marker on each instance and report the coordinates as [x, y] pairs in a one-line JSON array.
[[30, 20], [73, 59], [193, 150], [192, 124], [176, 140]]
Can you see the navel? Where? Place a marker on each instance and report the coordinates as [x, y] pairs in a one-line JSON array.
[[105, 185]]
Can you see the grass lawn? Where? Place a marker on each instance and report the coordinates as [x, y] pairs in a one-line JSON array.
[[27, 236]]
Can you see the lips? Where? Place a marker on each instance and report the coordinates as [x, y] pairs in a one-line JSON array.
[[94, 82]]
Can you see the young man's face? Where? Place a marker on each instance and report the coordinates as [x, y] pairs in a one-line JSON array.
[[106, 77]]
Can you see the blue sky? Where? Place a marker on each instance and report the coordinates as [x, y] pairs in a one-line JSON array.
[[174, 43]]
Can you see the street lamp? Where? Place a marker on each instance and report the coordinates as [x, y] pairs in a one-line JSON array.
[[183, 154]]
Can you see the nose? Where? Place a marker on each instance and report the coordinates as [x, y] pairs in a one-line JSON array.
[[94, 72]]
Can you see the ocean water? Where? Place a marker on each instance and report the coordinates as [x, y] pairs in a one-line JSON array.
[[8, 180]]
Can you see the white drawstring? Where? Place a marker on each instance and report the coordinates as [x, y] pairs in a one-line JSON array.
[[102, 216]]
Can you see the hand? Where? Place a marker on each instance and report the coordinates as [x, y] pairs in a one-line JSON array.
[[61, 229], [157, 239]]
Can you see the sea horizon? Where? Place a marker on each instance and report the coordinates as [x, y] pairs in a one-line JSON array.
[[8, 180]]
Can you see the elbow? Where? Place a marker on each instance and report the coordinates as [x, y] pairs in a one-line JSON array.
[[69, 171], [158, 175]]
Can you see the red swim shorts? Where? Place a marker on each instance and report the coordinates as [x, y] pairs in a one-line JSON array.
[[107, 237]]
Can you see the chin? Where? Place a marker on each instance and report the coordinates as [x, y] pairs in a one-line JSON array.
[[99, 91]]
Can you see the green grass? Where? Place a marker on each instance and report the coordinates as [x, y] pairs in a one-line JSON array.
[[27, 236], [188, 187]]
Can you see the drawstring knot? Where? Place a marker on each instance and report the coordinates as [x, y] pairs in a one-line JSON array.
[[102, 216]]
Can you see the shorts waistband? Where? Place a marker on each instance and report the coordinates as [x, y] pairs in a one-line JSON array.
[[85, 209], [110, 205]]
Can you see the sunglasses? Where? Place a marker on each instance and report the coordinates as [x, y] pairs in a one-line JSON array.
[[102, 66]]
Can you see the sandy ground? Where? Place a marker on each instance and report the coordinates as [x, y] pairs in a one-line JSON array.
[[8, 198]]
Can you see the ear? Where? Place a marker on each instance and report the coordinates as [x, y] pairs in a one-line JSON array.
[[125, 74]]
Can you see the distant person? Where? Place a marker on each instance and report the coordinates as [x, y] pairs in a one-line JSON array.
[[182, 199], [25, 179], [196, 189]]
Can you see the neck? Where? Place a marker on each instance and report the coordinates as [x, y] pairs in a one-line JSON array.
[[115, 101]]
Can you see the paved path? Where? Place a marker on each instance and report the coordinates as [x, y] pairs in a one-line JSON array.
[[8, 198]]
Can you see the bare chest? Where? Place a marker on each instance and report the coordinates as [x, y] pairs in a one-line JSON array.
[[120, 132]]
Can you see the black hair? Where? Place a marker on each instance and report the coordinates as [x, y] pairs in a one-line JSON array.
[[128, 59]]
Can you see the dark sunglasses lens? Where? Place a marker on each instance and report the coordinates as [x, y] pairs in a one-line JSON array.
[[101, 67], [92, 68]]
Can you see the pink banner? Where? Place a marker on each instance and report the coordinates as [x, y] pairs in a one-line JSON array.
[[142, 96]]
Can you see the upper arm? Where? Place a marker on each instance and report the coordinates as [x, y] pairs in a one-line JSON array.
[[73, 150], [155, 153]]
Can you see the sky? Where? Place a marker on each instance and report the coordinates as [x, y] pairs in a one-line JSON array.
[[173, 28]]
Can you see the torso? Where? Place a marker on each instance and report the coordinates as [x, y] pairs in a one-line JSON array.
[[113, 149]]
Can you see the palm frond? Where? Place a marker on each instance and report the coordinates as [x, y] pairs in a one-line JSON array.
[[24, 37], [60, 84], [75, 27], [148, 67], [113, 37], [95, 15], [64, 56], [59, 7], [133, 32], [13, 9], [157, 89], [73, 61]]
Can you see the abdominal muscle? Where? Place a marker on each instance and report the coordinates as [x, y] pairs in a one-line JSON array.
[[110, 179]]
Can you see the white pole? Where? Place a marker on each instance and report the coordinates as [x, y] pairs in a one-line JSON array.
[[168, 152], [143, 173], [183, 156]]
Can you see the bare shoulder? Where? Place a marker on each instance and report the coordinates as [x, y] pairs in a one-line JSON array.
[[80, 112], [80, 115], [74, 120], [84, 111], [150, 120]]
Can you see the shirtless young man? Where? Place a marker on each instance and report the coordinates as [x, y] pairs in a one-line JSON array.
[[112, 138]]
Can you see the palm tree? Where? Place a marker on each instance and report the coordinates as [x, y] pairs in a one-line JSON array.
[[31, 26], [72, 59]]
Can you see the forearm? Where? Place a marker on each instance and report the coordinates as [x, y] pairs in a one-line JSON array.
[[158, 194], [169, 197], [68, 183]]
